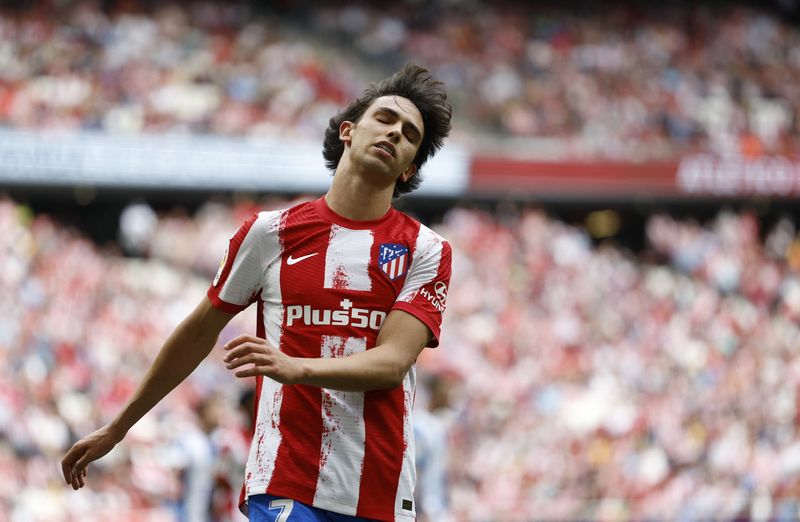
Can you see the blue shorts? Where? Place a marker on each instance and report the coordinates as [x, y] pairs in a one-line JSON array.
[[269, 508]]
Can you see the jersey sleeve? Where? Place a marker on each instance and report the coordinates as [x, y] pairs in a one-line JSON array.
[[424, 294], [240, 275]]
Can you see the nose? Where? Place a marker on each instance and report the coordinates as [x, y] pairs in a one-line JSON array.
[[394, 132]]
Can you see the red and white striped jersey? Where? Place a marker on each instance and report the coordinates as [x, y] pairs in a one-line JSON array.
[[324, 285]]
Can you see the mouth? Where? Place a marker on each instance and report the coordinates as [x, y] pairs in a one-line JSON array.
[[387, 148]]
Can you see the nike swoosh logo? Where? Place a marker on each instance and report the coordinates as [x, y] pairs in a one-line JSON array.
[[293, 260]]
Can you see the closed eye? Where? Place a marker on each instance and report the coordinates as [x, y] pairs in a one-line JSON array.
[[386, 115]]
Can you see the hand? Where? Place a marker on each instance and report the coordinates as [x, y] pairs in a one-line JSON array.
[[267, 360], [93, 446]]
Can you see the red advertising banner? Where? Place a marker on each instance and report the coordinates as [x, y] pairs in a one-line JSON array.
[[770, 176], [701, 175]]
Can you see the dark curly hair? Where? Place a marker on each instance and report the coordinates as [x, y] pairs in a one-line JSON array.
[[428, 95]]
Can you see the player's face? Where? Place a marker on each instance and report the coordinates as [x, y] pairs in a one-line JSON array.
[[387, 137]]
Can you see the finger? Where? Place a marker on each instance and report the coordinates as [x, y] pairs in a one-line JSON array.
[[65, 470], [68, 462], [75, 484], [240, 339], [243, 350], [236, 341], [239, 351], [257, 359], [82, 464], [252, 372], [79, 470]]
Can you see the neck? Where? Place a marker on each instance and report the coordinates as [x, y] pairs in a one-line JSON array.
[[353, 197]]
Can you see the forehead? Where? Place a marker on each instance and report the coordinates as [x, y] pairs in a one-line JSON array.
[[401, 105]]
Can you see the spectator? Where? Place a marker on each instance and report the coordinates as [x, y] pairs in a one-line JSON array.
[[587, 383], [643, 83]]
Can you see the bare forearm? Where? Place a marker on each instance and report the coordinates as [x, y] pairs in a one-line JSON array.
[[182, 352], [399, 342], [374, 369], [176, 360], [186, 347]]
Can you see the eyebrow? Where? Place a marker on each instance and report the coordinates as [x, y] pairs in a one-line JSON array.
[[397, 115]]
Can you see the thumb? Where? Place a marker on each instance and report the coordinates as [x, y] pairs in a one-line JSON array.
[[82, 464]]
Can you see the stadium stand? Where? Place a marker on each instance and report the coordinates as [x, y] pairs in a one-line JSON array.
[[577, 378], [677, 401], [639, 82]]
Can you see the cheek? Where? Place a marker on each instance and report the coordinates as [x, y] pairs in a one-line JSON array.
[[411, 153]]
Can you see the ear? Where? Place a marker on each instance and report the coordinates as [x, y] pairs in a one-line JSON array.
[[409, 172], [345, 131]]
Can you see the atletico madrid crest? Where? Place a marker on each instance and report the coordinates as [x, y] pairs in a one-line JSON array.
[[393, 259]]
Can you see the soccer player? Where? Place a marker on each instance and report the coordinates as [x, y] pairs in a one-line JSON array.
[[349, 291]]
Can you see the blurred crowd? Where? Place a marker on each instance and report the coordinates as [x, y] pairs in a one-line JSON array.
[[634, 80], [79, 325], [594, 384], [203, 67], [575, 380], [630, 80]]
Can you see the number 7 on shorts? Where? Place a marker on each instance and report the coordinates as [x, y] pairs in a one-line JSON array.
[[285, 505]]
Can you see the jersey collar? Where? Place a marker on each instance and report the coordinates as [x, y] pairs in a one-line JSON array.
[[325, 211]]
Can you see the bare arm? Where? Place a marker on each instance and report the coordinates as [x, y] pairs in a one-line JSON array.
[[400, 341], [190, 343]]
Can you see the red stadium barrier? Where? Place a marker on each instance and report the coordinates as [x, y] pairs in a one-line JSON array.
[[696, 175]]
